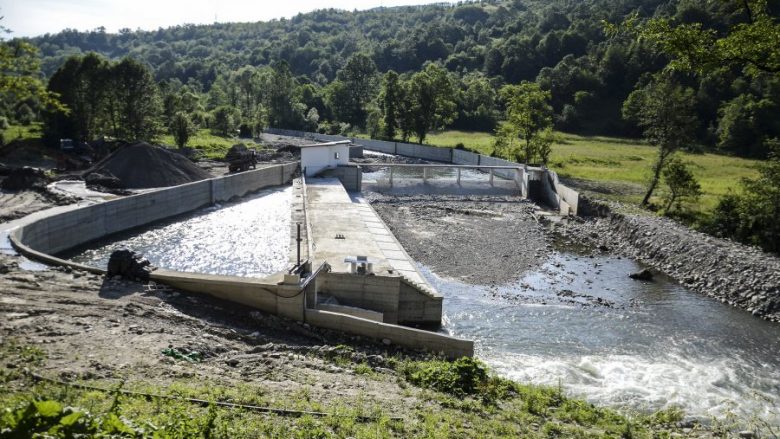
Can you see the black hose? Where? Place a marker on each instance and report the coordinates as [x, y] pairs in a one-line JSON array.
[[205, 403]]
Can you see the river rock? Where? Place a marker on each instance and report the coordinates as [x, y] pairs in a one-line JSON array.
[[644, 274], [733, 273]]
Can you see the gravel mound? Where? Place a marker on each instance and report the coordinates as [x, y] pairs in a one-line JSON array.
[[25, 178], [739, 275], [141, 165]]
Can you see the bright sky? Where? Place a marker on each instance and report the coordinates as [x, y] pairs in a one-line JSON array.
[[37, 17]]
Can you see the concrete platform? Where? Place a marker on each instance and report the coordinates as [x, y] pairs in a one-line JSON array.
[[333, 212]]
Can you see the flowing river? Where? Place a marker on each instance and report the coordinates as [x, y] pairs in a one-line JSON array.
[[582, 323]]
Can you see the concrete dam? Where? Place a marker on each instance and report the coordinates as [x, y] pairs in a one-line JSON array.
[[345, 270]]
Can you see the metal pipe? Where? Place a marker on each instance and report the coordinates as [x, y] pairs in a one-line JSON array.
[[299, 244]]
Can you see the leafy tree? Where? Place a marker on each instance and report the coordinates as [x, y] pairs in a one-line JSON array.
[[283, 106], [20, 78], [432, 101], [81, 83], [181, 129], [358, 87], [753, 217], [225, 120], [664, 110], [137, 100], [681, 183], [389, 102], [528, 118], [477, 104], [751, 43], [742, 122]]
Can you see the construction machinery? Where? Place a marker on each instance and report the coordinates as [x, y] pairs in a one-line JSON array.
[[241, 158]]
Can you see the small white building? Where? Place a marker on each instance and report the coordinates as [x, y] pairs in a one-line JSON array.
[[315, 158]]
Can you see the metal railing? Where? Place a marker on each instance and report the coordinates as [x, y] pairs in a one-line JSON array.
[[519, 170]]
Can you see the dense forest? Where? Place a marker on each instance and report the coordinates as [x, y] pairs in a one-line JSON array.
[[229, 71]]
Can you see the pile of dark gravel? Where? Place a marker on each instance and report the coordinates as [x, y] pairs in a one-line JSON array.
[[141, 165]]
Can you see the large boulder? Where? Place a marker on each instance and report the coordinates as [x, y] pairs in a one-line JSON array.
[[644, 274], [129, 265]]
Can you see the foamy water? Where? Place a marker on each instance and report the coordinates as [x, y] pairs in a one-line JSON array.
[[645, 346]]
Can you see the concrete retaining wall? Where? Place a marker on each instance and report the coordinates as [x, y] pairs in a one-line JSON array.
[[257, 293], [351, 176], [413, 306], [57, 233], [462, 157], [413, 338], [375, 293]]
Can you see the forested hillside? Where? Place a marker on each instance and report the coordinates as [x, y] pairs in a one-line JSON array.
[[223, 71]]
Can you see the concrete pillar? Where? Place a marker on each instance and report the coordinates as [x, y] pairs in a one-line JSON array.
[[391, 176], [425, 175], [458, 176]]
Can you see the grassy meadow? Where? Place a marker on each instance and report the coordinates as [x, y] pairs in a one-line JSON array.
[[618, 169]]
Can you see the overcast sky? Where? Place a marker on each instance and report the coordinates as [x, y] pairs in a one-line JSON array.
[[37, 17]]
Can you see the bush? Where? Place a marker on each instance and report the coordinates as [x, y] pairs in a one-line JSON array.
[[681, 183], [462, 377], [753, 217]]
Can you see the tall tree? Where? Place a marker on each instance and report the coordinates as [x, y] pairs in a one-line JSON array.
[[181, 129], [139, 107], [81, 83], [20, 79], [284, 108], [528, 118], [389, 101], [359, 87], [432, 96], [665, 112]]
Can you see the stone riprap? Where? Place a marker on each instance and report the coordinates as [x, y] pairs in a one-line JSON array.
[[739, 275]]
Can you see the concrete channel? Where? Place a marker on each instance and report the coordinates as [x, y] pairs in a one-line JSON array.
[[373, 296]]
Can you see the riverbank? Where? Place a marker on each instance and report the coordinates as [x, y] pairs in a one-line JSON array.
[[736, 274], [81, 328]]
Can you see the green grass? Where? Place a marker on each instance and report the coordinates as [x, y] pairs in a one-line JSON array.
[[621, 165], [442, 407], [212, 146], [33, 131]]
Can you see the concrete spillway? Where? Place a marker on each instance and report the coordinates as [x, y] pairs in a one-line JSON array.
[[344, 227], [368, 304]]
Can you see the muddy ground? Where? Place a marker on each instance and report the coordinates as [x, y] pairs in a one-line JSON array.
[[481, 240], [91, 327]]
